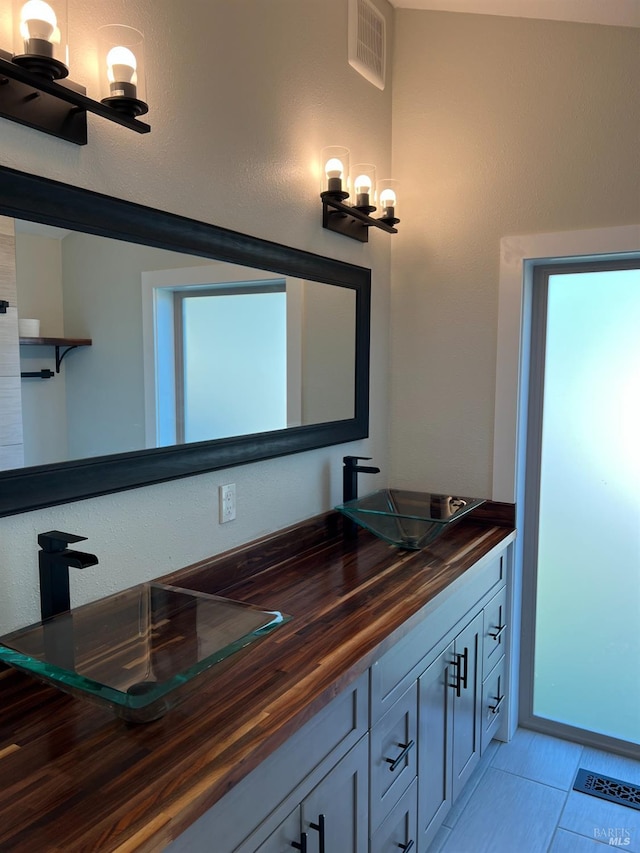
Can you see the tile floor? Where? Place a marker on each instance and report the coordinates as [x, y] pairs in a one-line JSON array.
[[520, 800]]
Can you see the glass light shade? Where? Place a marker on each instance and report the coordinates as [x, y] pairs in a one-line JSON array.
[[40, 36], [364, 186], [334, 161], [122, 68], [388, 198]]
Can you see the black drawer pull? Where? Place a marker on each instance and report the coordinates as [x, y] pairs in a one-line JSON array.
[[497, 632], [302, 844], [406, 749], [319, 827], [406, 847], [495, 709], [457, 683], [465, 671]]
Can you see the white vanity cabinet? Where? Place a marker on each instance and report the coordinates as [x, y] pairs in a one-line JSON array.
[[454, 663], [377, 770]]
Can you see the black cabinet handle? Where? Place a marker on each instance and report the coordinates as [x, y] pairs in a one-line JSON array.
[[406, 749], [495, 709], [319, 827], [465, 668], [497, 632], [302, 844], [456, 683], [406, 847], [461, 664]]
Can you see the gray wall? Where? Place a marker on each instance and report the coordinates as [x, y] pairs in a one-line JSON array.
[[500, 126]]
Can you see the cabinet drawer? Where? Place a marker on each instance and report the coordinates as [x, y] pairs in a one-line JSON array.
[[399, 830], [393, 755], [494, 698], [495, 631]]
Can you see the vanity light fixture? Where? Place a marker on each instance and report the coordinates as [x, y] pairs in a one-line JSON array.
[[121, 57], [351, 220], [388, 200], [33, 88]]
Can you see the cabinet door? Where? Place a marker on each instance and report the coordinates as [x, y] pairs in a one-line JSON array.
[[467, 703], [398, 831], [335, 813], [283, 839], [435, 720]]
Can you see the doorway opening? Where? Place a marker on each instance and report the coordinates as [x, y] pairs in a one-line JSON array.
[[581, 530]]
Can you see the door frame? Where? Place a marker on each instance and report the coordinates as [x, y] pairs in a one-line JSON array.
[[519, 256], [531, 477]]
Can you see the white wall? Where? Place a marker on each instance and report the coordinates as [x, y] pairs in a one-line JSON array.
[[500, 126], [244, 94], [39, 286]]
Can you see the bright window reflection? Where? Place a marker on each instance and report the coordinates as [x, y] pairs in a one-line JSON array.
[[234, 364]]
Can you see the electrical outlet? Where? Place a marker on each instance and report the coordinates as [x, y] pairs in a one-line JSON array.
[[227, 502]]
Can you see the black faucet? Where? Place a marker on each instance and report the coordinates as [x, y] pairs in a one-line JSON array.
[[53, 562], [350, 476]]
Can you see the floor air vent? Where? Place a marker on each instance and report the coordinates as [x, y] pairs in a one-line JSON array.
[[606, 788]]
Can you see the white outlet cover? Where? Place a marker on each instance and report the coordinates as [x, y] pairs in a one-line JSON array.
[[227, 502]]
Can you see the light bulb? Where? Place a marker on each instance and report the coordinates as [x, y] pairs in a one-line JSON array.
[[362, 185], [387, 198], [37, 21], [334, 168], [334, 171], [388, 202], [121, 66]]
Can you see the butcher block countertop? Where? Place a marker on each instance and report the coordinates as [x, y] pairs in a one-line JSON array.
[[75, 778]]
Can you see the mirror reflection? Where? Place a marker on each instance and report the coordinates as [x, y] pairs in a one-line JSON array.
[[183, 348]]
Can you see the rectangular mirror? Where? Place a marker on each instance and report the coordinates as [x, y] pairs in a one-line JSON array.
[[203, 348]]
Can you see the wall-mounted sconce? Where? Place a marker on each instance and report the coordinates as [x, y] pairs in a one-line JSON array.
[[388, 200], [33, 88], [121, 58], [352, 220]]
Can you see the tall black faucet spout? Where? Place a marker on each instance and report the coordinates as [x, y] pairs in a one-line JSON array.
[[350, 473], [53, 564]]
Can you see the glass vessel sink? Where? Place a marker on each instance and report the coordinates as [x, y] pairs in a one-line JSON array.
[[137, 651], [407, 519]]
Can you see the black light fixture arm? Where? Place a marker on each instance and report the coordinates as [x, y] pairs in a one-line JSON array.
[[57, 108], [351, 221]]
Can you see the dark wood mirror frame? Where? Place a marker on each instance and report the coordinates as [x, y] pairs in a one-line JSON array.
[[34, 198]]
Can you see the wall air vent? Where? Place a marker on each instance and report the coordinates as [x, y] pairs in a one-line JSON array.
[[367, 41]]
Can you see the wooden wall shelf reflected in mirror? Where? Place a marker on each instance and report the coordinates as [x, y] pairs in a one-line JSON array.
[[32, 198], [62, 345]]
